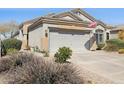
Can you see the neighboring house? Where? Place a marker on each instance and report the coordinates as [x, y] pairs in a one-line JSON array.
[[5, 35], [2, 37], [18, 35], [68, 29], [115, 30], [9, 34]]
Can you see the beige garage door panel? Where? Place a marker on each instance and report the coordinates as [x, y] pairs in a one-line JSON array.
[[76, 40]]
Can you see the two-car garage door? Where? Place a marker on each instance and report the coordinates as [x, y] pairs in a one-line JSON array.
[[78, 41]]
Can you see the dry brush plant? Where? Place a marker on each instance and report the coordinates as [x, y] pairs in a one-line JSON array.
[[35, 70], [12, 61], [121, 34]]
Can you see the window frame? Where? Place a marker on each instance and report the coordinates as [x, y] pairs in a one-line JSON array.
[[99, 36]]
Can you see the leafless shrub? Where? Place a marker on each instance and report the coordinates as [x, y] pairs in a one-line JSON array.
[[35, 70], [5, 64], [14, 60]]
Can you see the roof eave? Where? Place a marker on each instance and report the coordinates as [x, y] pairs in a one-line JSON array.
[[55, 20], [89, 16]]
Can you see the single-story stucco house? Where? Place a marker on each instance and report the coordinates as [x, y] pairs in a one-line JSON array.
[[114, 32], [68, 29]]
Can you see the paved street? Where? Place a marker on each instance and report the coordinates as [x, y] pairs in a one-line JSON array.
[[107, 65]]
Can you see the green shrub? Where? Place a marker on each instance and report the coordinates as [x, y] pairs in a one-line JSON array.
[[46, 54], [3, 50], [111, 47], [63, 55], [36, 49], [43, 51], [100, 46], [35, 70], [121, 51], [12, 43], [11, 51], [119, 43], [114, 45]]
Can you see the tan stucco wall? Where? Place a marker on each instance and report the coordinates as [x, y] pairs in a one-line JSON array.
[[93, 38], [38, 39], [104, 32], [113, 35], [68, 18], [84, 17], [35, 37], [73, 27], [100, 27], [45, 45]]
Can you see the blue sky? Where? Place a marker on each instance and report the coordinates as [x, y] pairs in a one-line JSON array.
[[113, 16]]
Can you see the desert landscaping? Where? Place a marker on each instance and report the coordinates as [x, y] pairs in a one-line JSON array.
[[66, 48]]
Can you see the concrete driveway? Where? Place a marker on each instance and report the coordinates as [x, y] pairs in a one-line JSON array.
[[107, 65]]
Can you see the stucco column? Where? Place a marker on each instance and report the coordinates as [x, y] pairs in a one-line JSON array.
[[104, 36], [24, 42], [25, 38], [45, 38]]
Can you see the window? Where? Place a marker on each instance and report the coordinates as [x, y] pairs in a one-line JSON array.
[[100, 38], [107, 36]]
